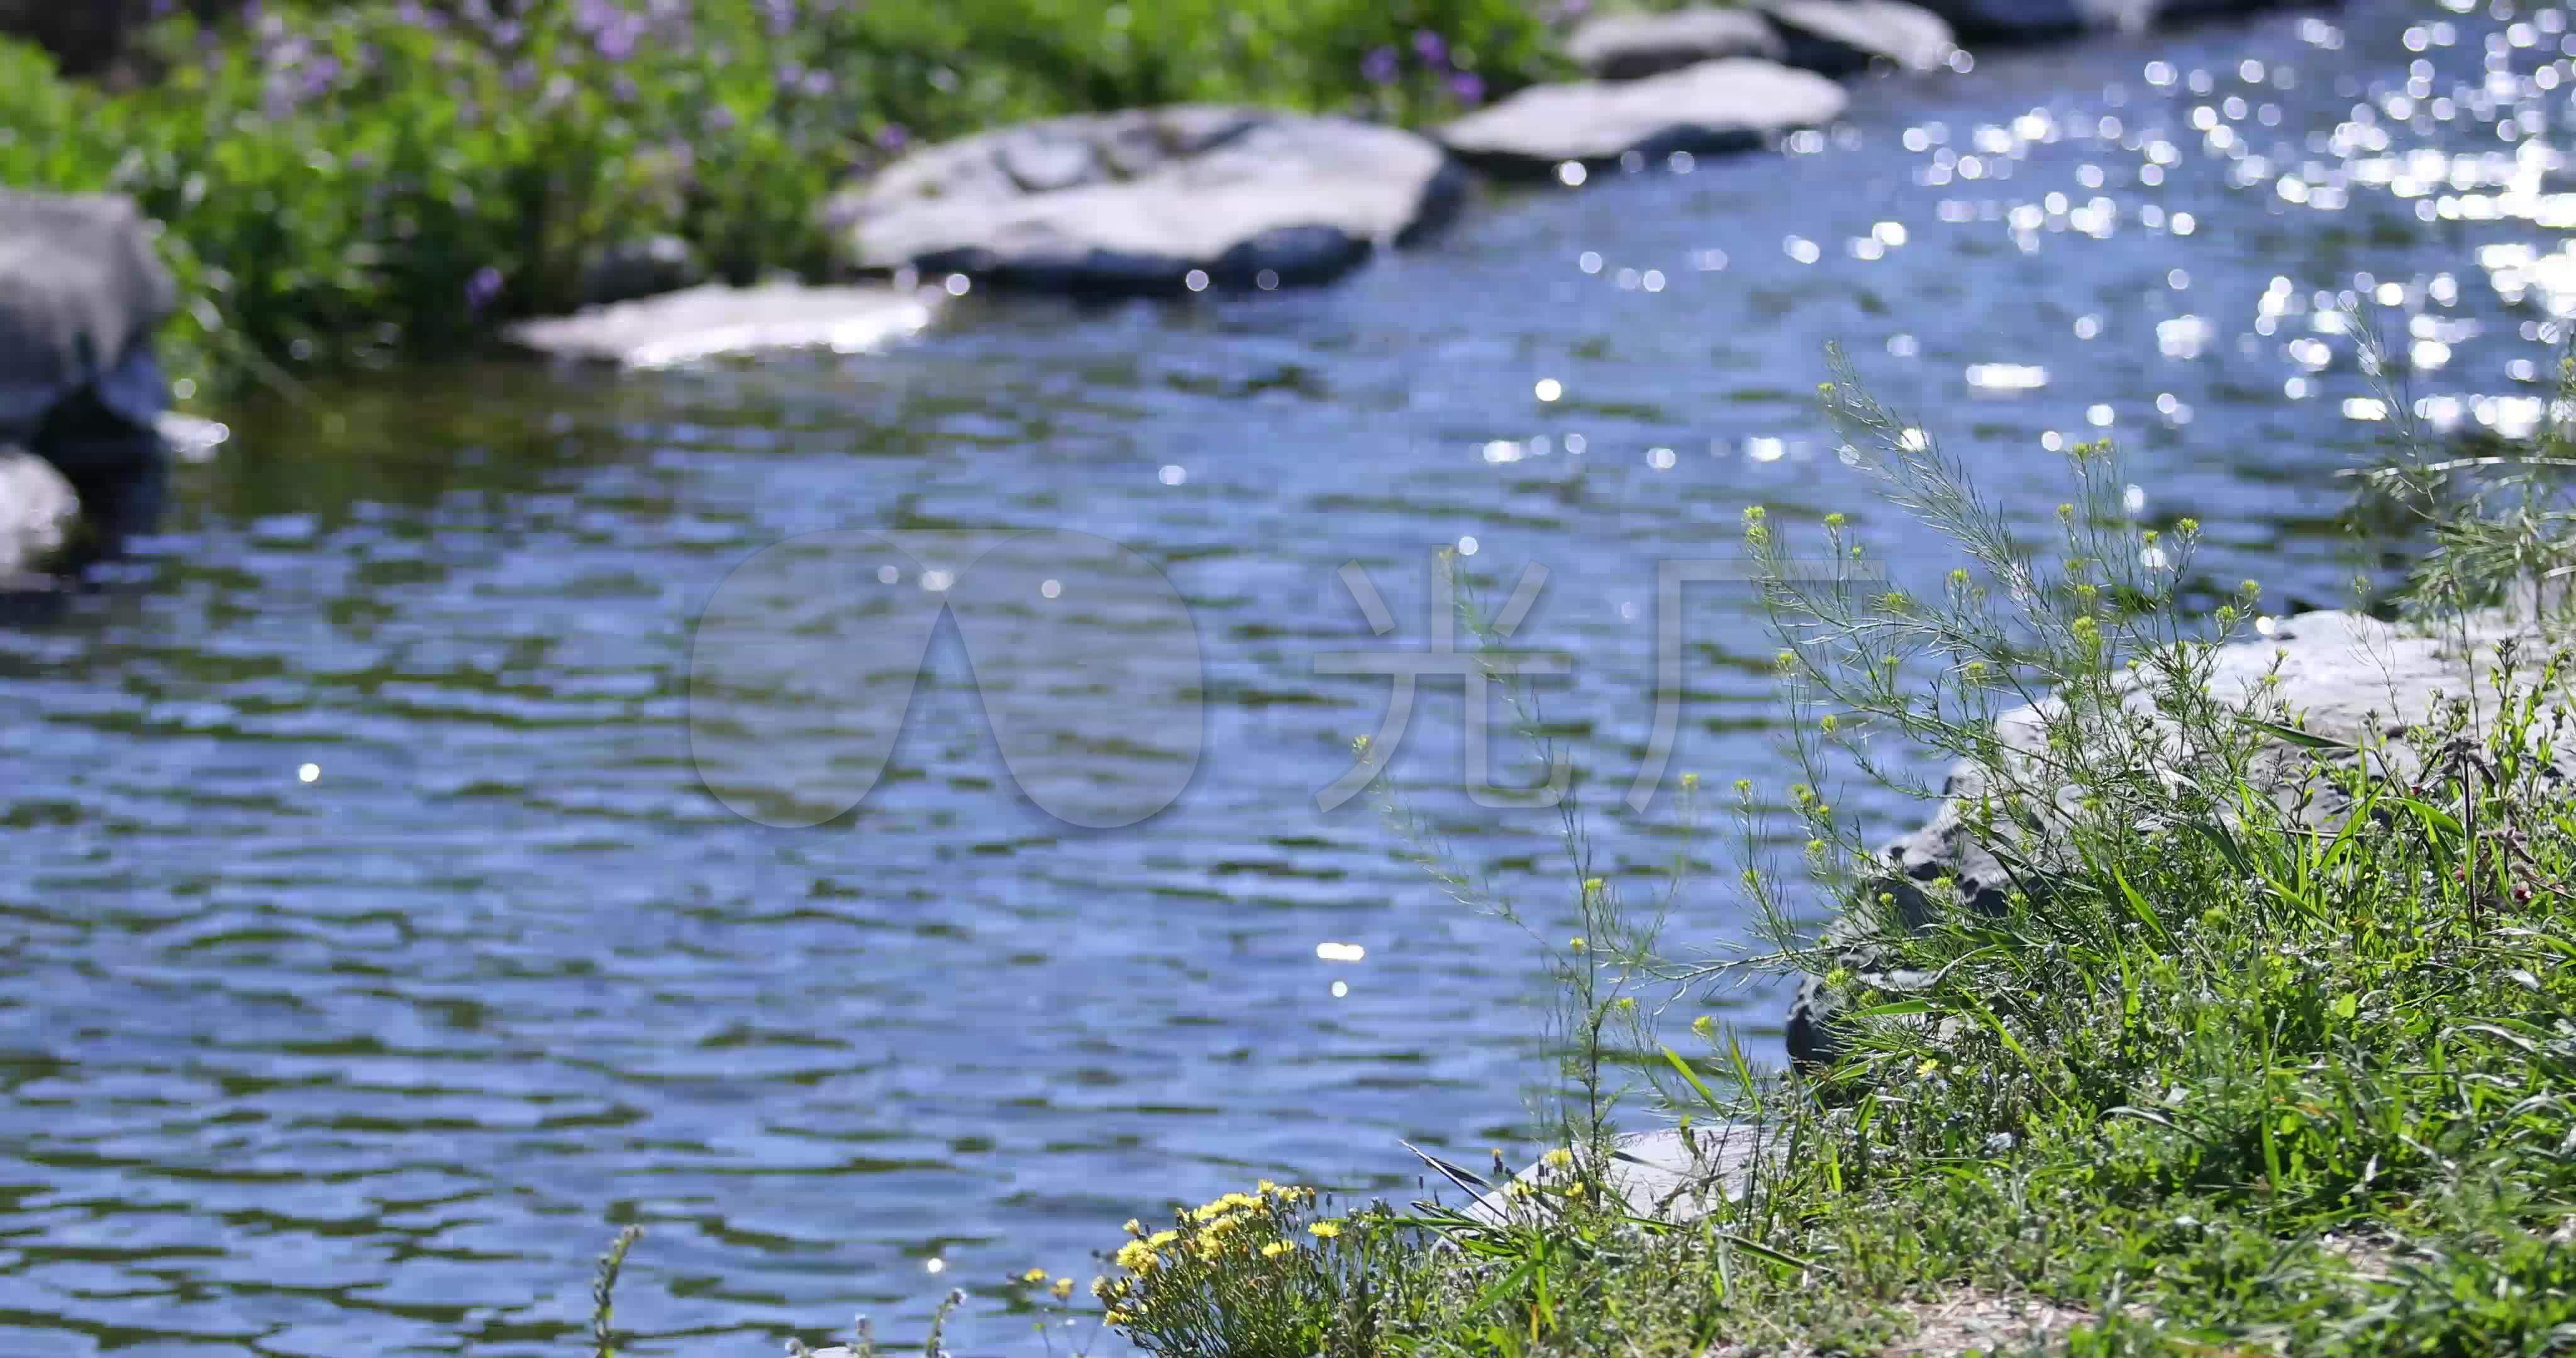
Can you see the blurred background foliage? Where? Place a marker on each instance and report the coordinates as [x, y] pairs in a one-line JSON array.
[[345, 184]]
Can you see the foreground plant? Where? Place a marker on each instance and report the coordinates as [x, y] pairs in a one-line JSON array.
[[2245, 1036]]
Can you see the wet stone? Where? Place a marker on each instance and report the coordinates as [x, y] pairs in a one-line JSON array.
[[1152, 201], [1632, 46], [715, 321], [1735, 103]]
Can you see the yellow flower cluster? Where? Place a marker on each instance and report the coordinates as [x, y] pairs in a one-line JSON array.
[[1247, 1223]]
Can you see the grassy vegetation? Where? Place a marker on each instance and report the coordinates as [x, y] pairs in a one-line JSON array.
[[2271, 1050], [348, 183]]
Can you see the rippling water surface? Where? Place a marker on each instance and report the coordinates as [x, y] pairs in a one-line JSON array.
[[370, 1056]]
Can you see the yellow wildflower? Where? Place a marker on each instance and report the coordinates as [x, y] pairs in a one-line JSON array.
[[1062, 1289], [1115, 1317], [1161, 1238], [1557, 1159], [1325, 1230], [1576, 943], [1929, 1067], [1134, 1256], [1276, 1248], [1574, 1189], [1520, 1190], [1134, 1227], [1265, 1188], [1035, 1275]]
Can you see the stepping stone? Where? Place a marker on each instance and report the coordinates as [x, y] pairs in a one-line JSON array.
[[1841, 37], [714, 321], [1633, 46], [1734, 103], [1152, 201]]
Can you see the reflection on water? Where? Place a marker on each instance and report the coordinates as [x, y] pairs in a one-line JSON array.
[[373, 945]]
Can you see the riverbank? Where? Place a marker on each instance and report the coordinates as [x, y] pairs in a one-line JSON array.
[[2227, 1005], [355, 186], [351, 185]]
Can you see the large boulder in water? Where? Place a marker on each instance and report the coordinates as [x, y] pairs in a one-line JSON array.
[[1152, 200], [1734, 103], [80, 293], [2344, 677]]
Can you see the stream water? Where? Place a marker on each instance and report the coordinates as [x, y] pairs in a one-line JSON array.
[[370, 946]]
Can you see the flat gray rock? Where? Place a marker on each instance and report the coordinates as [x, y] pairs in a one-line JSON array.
[[2348, 677], [80, 292], [39, 517], [1733, 103], [1670, 1175], [1838, 37], [715, 321], [1633, 45], [1152, 201]]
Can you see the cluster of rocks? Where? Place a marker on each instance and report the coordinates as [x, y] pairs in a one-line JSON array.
[[1172, 200], [82, 462]]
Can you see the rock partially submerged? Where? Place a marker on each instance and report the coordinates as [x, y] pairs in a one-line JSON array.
[[1834, 37], [1735, 103], [1636, 44], [1839, 37], [1153, 201], [715, 321], [81, 290], [2347, 677]]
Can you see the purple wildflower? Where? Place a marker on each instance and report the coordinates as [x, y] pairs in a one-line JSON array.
[[719, 119], [320, 78], [1431, 47], [1468, 87], [1378, 67], [782, 16], [484, 286], [818, 84], [893, 136]]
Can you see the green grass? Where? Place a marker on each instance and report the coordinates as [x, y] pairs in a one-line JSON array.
[[2272, 1051], [353, 183]]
